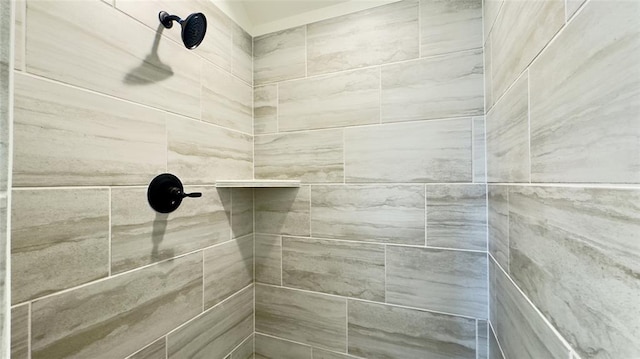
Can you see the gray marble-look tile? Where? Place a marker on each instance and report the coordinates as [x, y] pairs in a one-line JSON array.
[[343, 99], [508, 136], [20, 332], [279, 56], [488, 94], [491, 9], [429, 151], [325, 354], [374, 213], [65, 136], [242, 54], [20, 15], [107, 51], [140, 236], [498, 224], [155, 350], [450, 26], [371, 37], [479, 151], [59, 239], [241, 211], [274, 348], [515, 43], [265, 109], [282, 210], [494, 348], [521, 331], [436, 279], [315, 156], [196, 158], [585, 123], [227, 269], [216, 332], [310, 318], [379, 331], [573, 6], [575, 252], [335, 267], [217, 47], [226, 100], [434, 88], [482, 335], [457, 216], [268, 259], [244, 350], [115, 317]]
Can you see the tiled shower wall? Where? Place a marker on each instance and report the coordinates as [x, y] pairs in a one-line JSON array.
[[563, 165], [382, 251], [104, 101]]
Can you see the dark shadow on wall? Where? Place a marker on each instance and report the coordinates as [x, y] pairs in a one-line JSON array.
[[152, 69], [157, 235]]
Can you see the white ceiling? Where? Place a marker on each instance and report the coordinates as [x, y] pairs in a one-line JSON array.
[[259, 17]]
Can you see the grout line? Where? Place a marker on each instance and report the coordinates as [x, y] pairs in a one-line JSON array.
[[109, 241], [203, 281], [493, 333], [29, 335], [426, 219], [477, 341], [166, 346], [277, 109], [367, 301], [344, 157], [380, 96], [281, 261], [306, 52], [346, 325], [529, 119]]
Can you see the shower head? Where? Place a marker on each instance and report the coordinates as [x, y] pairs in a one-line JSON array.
[[194, 27]]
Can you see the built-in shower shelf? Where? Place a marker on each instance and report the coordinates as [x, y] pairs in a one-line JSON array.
[[258, 183]]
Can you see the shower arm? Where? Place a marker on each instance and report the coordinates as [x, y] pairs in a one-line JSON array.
[[167, 20]]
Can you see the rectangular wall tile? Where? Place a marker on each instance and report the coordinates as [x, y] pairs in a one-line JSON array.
[[244, 350], [371, 37], [489, 100], [273, 348], [589, 136], [435, 279], [282, 210], [490, 13], [242, 54], [217, 46], [200, 153], [314, 319], [217, 331], [382, 331], [434, 88], [375, 213], [146, 304], [279, 56], [66, 137], [511, 35], [498, 224], [334, 267], [508, 136], [315, 156], [479, 151], [109, 52], [155, 350], [140, 236], [241, 211], [575, 253], [268, 258], [265, 109], [494, 348], [521, 331], [483, 339], [457, 216], [430, 151], [226, 100], [344, 99], [20, 332], [450, 26], [227, 269], [59, 239]]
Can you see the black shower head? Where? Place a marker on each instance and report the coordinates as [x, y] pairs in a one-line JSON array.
[[194, 27]]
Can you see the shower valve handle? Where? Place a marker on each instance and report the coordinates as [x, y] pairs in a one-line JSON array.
[[177, 192]]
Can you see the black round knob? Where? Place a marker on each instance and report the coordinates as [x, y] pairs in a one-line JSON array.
[[165, 193]]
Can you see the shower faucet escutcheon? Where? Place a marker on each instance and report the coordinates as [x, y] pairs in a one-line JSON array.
[[194, 27], [165, 193]]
